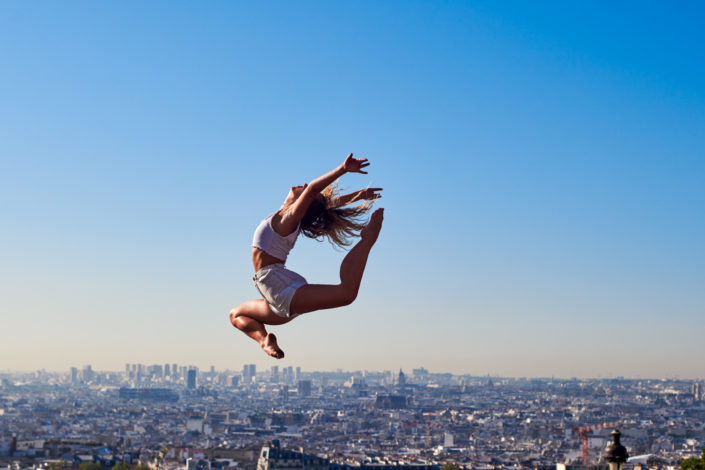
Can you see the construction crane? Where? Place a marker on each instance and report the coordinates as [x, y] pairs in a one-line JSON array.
[[583, 432]]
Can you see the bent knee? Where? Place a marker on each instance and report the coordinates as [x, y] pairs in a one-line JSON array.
[[348, 296], [234, 313]]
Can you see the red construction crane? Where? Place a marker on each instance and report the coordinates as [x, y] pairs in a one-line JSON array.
[[583, 432]]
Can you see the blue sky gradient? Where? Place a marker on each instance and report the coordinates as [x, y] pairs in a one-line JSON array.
[[543, 170]]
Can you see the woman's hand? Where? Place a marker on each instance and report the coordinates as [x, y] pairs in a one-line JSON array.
[[355, 165], [369, 194]]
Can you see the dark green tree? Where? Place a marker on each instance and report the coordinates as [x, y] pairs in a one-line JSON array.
[[90, 466], [127, 466], [694, 463], [449, 466]]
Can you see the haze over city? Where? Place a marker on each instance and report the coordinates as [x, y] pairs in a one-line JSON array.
[[542, 166]]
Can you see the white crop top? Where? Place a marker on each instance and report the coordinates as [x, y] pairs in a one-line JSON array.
[[271, 242]]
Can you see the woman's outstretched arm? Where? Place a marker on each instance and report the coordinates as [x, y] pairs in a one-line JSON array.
[[368, 194]]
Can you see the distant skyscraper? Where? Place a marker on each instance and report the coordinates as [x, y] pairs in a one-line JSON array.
[[127, 371], [191, 379], [74, 375], [155, 371], [253, 371], [275, 373], [298, 374], [87, 374], [697, 391], [304, 388], [167, 372]]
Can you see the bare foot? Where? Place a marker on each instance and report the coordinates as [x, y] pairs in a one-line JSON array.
[[371, 230], [270, 346]]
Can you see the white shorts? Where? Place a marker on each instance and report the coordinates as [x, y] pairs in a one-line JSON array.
[[277, 285]]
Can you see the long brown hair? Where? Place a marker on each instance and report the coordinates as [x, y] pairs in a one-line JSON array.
[[324, 219]]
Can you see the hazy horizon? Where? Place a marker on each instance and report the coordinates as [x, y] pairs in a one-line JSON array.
[[408, 372]]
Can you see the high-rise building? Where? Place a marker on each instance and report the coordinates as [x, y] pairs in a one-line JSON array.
[[191, 379], [249, 372], [74, 375], [155, 371], [297, 377], [304, 388], [87, 374], [167, 372], [275, 373], [697, 391]]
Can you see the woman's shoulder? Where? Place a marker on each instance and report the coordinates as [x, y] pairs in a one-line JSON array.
[[283, 222]]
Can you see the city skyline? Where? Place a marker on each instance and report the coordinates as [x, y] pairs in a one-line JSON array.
[[542, 167], [268, 369], [215, 420]]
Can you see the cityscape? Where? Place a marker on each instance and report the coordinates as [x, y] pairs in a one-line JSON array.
[[173, 416]]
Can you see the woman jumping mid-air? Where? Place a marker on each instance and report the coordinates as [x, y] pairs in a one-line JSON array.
[[315, 210]]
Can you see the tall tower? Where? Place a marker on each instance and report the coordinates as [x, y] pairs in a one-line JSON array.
[[304, 388], [87, 373], [401, 379], [191, 379]]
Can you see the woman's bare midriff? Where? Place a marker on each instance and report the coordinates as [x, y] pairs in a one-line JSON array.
[[260, 259]]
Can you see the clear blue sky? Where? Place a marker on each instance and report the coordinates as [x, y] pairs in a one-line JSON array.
[[543, 167]]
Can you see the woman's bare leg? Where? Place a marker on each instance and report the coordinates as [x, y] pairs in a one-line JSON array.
[[250, 318], [320, 296]]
